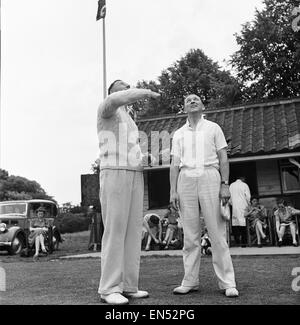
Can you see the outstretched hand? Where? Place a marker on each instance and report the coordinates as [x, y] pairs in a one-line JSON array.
[[154, 95]]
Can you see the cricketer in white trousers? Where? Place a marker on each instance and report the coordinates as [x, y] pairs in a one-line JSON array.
[[121, 197], [203, 190]]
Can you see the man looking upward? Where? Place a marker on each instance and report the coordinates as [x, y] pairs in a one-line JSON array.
[[199, 176]]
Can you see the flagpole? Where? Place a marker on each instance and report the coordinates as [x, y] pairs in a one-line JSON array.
[[0, 84], [104, 61]]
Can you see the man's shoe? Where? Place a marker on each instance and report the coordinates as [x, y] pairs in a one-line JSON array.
[[231, 293], [114, 299], [182, 290], [136, 295]]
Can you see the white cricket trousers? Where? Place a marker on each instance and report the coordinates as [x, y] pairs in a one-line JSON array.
[[121, 198], [203, 190]]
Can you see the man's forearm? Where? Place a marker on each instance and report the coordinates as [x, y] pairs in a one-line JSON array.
[[224, 170], [174, 172], [121, 98]]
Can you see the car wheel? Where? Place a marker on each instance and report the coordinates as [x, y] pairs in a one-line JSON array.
[[55, 241], [17, 245]]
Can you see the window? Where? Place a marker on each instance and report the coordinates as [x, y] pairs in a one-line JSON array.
[[290, 176], [16, 208], [50, 209]]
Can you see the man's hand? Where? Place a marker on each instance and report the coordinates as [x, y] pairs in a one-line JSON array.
[[174, 200], [224, 194], [154, 95]]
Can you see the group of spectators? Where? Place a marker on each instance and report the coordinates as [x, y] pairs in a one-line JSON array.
[[167, 232], [246, 208]]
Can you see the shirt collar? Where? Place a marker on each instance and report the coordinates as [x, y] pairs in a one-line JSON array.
[[198, 125]]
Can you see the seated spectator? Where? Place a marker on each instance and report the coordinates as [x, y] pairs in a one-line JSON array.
[[257, 215], [285, 217], [38, 230], [172, 226], [152, 229]]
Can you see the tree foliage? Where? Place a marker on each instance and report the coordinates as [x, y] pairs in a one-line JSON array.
[[268, 60], [95, 167], [20, 188], [194, 73]]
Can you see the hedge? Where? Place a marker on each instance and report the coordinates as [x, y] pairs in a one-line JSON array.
[[73, 222]]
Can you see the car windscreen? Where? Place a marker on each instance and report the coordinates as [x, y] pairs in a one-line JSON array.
[[49, 208], [13, 208]]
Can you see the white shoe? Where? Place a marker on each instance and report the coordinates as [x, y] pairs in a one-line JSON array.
[[182, 290], [136, 295], [231, 293], [114, 299]]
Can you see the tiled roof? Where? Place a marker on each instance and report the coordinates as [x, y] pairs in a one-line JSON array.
[[259, 129]]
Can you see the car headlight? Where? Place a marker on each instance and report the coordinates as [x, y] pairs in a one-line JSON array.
[[3, 227]]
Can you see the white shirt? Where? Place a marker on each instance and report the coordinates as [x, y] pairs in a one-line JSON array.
[[198, 149], [117, 132], [240, 200]]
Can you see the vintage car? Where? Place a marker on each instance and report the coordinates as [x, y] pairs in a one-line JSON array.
[[15, 219]]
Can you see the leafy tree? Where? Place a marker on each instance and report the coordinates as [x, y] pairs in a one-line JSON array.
[[20, 188], [194, 73], [96, 167], [268, 61]]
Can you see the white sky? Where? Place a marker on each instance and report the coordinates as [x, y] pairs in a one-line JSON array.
[[51, 66]]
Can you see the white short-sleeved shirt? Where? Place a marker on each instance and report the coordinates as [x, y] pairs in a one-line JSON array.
[[198, 149]]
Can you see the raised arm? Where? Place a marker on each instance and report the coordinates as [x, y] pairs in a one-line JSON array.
[[121, 98]]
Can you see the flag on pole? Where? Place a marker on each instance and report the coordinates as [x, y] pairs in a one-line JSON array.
[[101, 9]]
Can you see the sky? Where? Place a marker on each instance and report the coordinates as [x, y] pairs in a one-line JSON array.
[[51, 72]]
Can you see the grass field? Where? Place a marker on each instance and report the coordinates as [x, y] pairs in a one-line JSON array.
[[263, 280]]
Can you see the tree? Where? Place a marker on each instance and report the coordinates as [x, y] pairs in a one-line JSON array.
[[194, 73], [20, 188], [268, 60], [96, 167]]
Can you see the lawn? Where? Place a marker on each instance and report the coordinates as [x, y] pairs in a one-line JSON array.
[[261, 280]]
